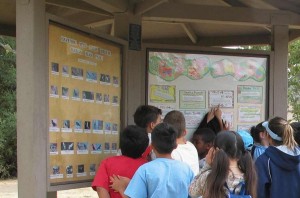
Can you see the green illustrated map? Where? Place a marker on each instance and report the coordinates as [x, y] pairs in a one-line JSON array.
[[170, 66]]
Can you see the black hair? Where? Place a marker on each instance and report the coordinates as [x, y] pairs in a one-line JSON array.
[[213, 124], [255, 130], [207, 135], [177, 120], [133, 141], [146, 114], [231, 146], [163, 138]]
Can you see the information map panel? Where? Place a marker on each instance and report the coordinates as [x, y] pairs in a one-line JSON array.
[[194, 83], [84, 103]]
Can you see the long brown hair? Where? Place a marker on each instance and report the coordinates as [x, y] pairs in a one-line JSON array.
[[283, 129], [230, 146]]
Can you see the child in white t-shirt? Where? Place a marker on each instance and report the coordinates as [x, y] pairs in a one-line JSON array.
[[185, 151]]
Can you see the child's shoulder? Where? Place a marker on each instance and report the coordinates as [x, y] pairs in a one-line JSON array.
[[167, 163], [181, 165], [160, 162], [190, 145], [186, 145], [124, 159]]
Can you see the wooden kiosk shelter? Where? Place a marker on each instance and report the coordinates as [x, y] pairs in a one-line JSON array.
[[173, 24]]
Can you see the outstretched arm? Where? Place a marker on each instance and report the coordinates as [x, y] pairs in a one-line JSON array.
[[224, 125], [210, 115], [119, 184], [218, 114]]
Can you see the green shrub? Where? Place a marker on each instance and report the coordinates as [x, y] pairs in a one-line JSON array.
[[8, 132], [8, 145]]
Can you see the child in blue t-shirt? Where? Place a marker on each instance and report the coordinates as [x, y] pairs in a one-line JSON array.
[[164, 176]]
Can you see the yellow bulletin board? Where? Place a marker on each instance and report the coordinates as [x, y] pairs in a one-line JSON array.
[[84, 103]]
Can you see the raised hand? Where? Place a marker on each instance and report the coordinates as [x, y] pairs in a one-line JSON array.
[[210, 115], [209, 158], [218, 112]]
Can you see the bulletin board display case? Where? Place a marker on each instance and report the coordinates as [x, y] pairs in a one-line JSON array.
[[193, 82], [84, 103]]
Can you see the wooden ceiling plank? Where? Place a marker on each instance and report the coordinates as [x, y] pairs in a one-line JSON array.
[[112, 6], [175, 20], [259, 4], [145, 6], [78, 5], [190, 32], [218, 14], [285, 5], [235, 3]]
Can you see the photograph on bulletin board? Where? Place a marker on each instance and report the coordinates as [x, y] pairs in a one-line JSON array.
[[84, 103], [195, 82]]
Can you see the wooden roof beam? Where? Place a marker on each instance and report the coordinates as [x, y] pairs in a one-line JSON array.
[[258, 4], [112, 29], [235, 3], [103, 23], [219, 15], [112, 6], [221, 41], [100, 23], [190, 32], [145, 6], [78, 5]]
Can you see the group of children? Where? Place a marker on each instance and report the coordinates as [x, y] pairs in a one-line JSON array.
[[156, 160]]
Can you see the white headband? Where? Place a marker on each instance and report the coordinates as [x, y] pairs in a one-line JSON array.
[[271, 133]]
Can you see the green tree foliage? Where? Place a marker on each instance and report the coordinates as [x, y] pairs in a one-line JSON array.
[[257, 47], [294, 79], [8, 133]]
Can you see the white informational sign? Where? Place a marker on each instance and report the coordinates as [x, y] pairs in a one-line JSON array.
[[249, 114], [193, 118], [221, 98], [228, 117], [193, 83]]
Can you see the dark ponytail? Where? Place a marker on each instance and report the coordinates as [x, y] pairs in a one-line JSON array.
[[255, 130], [246, 165], [218, 175], [230, 146]]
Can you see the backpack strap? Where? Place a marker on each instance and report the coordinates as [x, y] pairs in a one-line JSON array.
[[242, 191], [243, 188]]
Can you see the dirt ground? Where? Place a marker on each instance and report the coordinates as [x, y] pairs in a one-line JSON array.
[[9, 189]]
